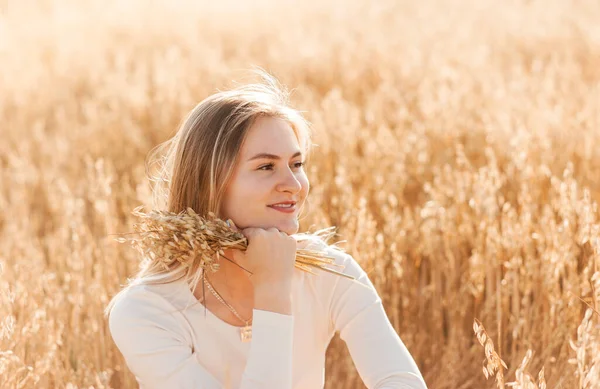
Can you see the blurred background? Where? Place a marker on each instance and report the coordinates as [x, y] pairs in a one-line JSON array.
[[457, 154]]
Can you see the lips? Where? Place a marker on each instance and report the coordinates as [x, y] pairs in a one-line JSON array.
[[284, 203], [286, 207]]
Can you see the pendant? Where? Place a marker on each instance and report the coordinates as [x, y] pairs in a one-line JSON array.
[[246, 333]]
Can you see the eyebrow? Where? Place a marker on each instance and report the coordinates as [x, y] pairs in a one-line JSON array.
[[272, 156]]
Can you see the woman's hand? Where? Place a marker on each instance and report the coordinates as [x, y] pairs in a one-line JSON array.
[[270, 256]]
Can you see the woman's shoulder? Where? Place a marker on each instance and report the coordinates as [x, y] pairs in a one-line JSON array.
[[317, 241], [342, 261], [140, 303], [143, 326]]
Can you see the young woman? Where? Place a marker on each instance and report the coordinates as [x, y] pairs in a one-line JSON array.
[[257, 322]]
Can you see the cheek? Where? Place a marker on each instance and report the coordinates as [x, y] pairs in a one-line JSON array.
[[237, 191], [250, 188]]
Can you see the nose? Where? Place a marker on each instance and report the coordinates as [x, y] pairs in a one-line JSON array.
[[288, 182]]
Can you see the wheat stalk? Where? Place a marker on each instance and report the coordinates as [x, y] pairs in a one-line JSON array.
[[169, 237], [494, 362]]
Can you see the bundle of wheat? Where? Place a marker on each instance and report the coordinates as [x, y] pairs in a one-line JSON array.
[[185, 237]]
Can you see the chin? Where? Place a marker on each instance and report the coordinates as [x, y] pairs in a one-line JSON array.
[[288, 228], [292, 230]]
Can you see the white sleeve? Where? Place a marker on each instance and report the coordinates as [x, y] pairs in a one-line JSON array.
[[269, 363], [160, 354], [356, 312]]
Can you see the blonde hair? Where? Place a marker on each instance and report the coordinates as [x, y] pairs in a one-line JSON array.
[[195, 165]]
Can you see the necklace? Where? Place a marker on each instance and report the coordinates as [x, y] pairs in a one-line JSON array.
[[246, 331]]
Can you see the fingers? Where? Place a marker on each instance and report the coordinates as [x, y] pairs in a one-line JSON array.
[[255, 231], [273, 229]]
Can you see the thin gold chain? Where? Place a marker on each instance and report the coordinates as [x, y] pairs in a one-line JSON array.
[[218, 296]]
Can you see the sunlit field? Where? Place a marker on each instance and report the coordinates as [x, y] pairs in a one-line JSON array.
[[457, 150]]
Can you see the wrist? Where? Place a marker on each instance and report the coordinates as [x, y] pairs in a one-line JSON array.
[[273, 302], [262, 284]]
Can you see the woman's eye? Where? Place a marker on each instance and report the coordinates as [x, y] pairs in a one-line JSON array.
[[270, 166]]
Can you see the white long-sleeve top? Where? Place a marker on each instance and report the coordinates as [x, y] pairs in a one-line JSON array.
[[170, 340]]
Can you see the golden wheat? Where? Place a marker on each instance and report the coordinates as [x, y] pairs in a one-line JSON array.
[[185, 237]]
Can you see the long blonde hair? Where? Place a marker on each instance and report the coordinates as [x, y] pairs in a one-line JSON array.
[[195, 165]]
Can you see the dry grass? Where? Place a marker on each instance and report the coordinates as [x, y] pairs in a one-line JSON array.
[[169, 240], [457, 154]]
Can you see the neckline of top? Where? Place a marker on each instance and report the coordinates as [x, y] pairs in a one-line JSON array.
[[197, 305]]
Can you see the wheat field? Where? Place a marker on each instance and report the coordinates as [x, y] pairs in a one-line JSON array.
[[457, 152]]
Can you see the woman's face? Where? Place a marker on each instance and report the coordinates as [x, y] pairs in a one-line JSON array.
[[269, 171]]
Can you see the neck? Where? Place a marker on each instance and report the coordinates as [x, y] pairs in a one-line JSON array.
[[230, 281]]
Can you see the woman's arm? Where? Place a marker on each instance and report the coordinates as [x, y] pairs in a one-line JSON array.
[[356, 311], [158, 351]]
